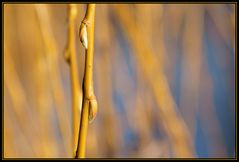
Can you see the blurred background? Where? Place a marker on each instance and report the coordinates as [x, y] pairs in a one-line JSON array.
[[164, 77]]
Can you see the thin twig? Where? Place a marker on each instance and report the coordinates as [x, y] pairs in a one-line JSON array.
[[89, 105], [70, 56]]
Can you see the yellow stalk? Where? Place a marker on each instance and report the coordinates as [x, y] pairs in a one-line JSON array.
[[70, 56], [89, 105]]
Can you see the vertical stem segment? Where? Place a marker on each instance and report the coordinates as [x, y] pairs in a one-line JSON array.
[[70, 56], [89, 104]]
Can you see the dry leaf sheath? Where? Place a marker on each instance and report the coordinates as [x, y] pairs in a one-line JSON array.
[[89, 105]]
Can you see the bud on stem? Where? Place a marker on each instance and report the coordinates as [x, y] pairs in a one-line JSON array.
[[83, 35]]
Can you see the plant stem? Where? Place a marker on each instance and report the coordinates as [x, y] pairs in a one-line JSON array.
[[88, 91], [70, 56]]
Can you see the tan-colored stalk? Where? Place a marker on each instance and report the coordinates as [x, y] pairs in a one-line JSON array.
[[70, 56], [89, 105]]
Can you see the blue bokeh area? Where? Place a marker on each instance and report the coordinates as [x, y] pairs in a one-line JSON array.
[[223, 81], [222, 73]]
